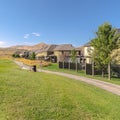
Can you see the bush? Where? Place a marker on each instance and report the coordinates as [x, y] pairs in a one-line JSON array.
[[16, 55]]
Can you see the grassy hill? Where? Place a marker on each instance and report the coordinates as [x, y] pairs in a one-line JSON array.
[[25, 95]]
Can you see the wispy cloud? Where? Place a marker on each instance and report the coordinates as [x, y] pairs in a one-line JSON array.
[[3, 44], [30, 35], [36, 34], [26, 36]]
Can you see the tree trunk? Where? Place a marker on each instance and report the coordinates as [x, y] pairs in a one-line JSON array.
[[76, 67], [69, 65], [102, 73], [63, 65], [109, 71], [92, 68], [85, 69]]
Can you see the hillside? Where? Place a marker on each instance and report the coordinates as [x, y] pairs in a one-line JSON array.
[[26, 47], [7, 52]]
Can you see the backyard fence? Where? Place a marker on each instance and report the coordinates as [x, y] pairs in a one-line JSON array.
[[71, 66], [89, 69], [115, 70]]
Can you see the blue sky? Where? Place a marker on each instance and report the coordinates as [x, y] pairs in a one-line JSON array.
[[54, 21]]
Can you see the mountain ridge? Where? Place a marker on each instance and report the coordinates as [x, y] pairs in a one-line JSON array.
[[28, 47]]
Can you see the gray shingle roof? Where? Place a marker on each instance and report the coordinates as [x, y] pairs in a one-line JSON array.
[[50, 48], [64, 47], [87, 44], [79, 48]]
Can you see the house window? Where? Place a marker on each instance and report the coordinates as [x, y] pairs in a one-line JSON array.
[[79, 53]]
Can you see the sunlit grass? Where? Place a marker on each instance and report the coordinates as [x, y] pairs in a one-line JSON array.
[[26, 95], [54, 67]]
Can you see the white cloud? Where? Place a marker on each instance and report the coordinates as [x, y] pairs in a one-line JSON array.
[[36, 34], [26, 36], [3, 44]]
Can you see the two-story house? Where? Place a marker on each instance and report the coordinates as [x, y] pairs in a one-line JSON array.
[[47, 53], [63, 52]]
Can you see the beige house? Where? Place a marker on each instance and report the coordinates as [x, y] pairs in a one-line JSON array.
[[84, 53], [56, 53], [46, 53], [63, 52]]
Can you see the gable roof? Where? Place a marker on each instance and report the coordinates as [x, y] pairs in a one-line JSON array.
[[64, 47], [87, 44], [118, 30], [50, 48], [79, 48]]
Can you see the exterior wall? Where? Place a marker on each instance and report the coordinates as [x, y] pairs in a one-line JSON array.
[[57, 53], [49, 53], [41, 54], [87, 51], [61, 55], [88, 60], [116, 56]]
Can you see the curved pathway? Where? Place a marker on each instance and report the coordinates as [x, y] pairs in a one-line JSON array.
[[101, 84]]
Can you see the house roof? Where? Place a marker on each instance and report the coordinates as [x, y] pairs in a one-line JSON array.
[[118, 30], [64, 47], [39, 51], [87, 44], [50, 48], [79, 48]]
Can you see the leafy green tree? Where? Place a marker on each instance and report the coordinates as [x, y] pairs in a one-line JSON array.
[[107, 40], [16, 55], [32, 56], [73, 55]]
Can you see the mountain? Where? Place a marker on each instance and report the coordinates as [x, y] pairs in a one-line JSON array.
[[26, 47]]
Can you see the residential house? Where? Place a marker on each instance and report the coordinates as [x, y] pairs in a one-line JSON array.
[[84, 53], [47, 53], [63, 52]]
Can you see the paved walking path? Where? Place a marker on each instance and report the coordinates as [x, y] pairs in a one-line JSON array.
[[101, 84]]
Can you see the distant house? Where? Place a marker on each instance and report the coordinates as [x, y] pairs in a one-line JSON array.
[[56, 53], [22, 53], [80, 54], [84, 53], [63, 52], [46, 53]]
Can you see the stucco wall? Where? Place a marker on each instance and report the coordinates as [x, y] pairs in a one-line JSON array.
[[57, 53], [41, 54], [87, 51]]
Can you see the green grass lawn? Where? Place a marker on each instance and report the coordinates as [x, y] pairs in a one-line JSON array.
[[54, 67], [26, 95]]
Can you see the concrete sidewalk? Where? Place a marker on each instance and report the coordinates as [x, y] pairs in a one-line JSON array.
[[115, 89]]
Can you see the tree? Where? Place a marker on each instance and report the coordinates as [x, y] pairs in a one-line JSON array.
[[16, 55], [107, 40], [73, 55], [32, 56]]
